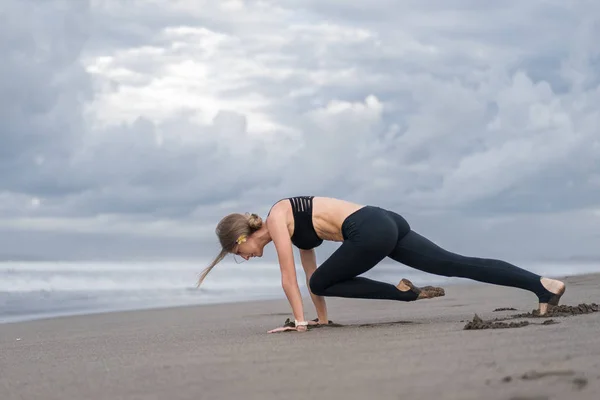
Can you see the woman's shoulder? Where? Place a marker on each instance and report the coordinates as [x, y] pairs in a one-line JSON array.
[[278, 205]]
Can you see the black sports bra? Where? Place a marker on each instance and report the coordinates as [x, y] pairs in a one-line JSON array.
[[305, 237]]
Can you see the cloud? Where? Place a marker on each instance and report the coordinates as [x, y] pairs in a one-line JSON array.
[[149, 118], [42, 87]]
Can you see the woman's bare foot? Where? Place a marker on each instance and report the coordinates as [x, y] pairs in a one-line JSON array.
[[557, 288], [426, 292]]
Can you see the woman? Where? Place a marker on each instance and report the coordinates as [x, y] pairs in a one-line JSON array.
[[369, 234]]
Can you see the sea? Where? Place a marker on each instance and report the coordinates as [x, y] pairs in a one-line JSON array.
[[35, 290]]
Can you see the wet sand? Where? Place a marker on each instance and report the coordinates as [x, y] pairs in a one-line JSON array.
[[382, 350]]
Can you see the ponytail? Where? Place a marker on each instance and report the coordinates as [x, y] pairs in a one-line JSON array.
[[217, 260]]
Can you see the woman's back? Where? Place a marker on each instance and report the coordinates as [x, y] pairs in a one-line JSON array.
[[328, 215]]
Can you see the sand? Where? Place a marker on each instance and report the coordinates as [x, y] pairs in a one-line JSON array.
[[384, 350]]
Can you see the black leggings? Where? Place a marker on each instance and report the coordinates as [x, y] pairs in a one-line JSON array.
[[372, 233]]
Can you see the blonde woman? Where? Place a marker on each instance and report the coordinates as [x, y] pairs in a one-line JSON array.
[[368, 235]]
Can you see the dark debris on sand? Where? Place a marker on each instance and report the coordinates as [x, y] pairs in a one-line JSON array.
[[562, 311], [549, 322], [289, 322], [505, 309], [478, 323], [566, 311], [558, 311]]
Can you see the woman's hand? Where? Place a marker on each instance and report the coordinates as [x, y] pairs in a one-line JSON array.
[[289, 325], [301, 328]]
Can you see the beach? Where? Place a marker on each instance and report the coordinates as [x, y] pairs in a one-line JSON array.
[[382, 350]]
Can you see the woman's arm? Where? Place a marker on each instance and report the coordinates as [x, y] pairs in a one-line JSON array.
[[309, 263], [283, 244]]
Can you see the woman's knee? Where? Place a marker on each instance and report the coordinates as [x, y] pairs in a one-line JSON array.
[[316, 284]]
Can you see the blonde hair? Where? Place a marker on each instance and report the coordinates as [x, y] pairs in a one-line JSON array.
[[229, 230]]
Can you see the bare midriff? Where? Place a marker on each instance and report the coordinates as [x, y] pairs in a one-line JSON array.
[[329, 215]]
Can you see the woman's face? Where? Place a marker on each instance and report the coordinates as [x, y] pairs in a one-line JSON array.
[[248, 249]]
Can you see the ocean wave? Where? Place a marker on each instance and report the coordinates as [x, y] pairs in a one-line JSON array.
[[20, 283], [69, 277]]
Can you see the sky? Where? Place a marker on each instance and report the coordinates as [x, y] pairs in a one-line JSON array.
[[130, 127]]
